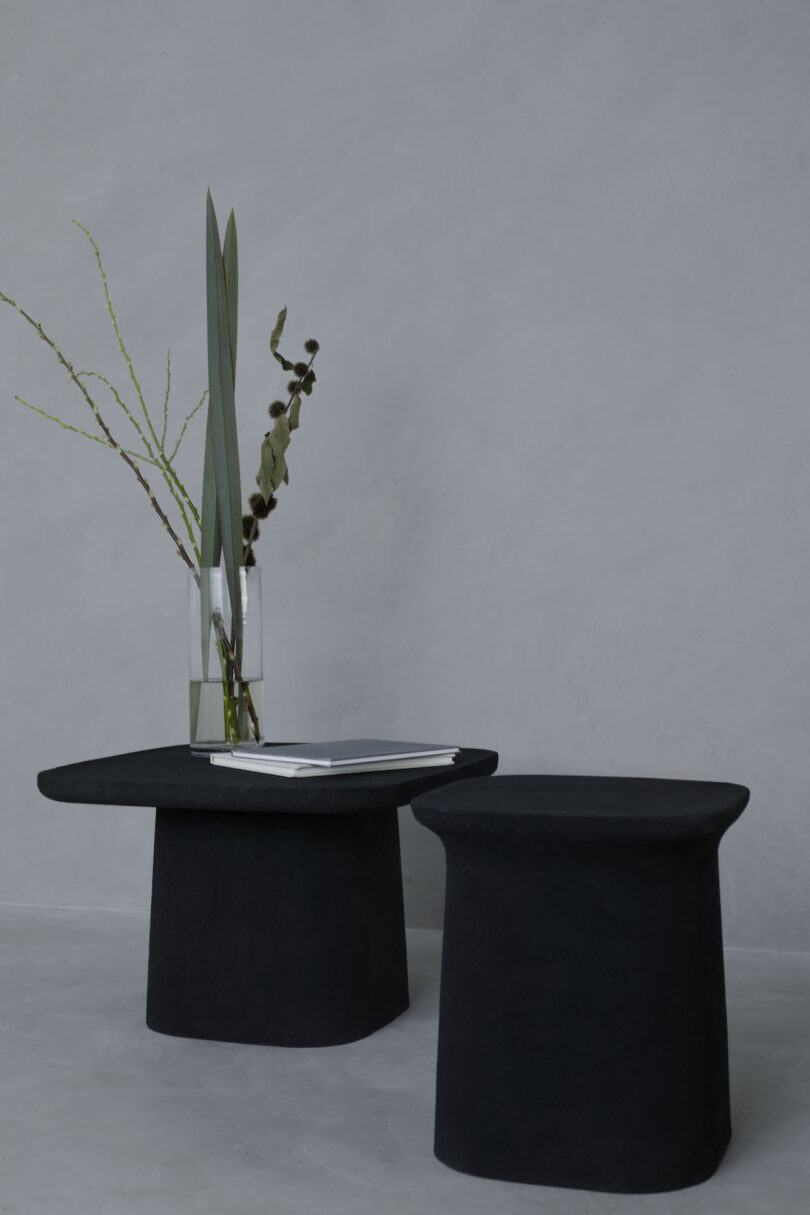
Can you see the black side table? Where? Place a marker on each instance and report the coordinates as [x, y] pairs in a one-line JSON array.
[[582, 1028], [277, 912]]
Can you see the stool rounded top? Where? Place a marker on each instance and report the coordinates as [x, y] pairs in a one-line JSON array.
[[173, 778], [583, 807]]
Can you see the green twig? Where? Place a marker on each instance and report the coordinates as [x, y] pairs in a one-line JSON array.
[[96, 375], [78, 430], [166, 399], [188, 418], [175, 486], [169, 475], [65, 425], [114, 319], [129, 460]]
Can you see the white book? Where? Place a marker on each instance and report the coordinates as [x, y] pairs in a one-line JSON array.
[[248, 763], [341, 752]]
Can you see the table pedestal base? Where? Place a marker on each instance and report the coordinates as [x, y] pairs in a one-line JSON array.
[[276, 929], [582, 1032]]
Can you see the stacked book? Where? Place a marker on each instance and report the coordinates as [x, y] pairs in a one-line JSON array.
[[334, 758]]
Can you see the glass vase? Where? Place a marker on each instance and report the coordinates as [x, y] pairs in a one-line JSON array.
[[225, 658]]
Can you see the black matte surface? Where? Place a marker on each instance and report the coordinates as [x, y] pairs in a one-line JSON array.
[[281, 929], [172, 776], [277, 912], [582, 1035]]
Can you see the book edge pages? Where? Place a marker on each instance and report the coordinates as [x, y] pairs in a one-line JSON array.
[[245, 764]]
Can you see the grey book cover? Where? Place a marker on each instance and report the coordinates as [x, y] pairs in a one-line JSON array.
[[343, 751]]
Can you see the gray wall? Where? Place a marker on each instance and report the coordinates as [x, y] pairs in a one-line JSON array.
[[553, 493]]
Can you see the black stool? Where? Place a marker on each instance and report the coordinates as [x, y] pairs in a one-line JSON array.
[[582, 1029]]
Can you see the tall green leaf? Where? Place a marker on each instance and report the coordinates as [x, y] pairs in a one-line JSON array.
[[230, 263], [222, 411], [210, 543], [211, 538]]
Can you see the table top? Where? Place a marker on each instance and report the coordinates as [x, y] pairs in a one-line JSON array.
[[584, 807], [171, 777]]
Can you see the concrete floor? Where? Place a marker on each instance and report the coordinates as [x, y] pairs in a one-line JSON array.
[[99, 1116]]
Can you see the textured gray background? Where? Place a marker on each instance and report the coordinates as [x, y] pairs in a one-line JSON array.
[[552, 495]]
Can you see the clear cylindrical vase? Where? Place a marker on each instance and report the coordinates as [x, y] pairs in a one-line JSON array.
[[225, 658]]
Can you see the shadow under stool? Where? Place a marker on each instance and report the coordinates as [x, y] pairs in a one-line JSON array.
[[582, 1028]]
